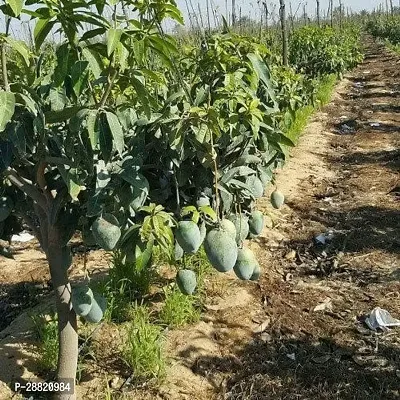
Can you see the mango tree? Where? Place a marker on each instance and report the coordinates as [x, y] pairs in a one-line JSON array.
[[68, 157]]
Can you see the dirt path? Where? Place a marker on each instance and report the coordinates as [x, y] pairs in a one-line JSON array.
[[344, 177], [266, 340]]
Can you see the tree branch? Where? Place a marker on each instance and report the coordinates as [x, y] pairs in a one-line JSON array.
[[27, 187], [41, 180], [108, 90], [29, 221]]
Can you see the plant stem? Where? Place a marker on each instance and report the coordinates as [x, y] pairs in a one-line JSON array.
[[4, 57], [108, 90]]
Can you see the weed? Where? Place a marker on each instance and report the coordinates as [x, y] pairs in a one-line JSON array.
[[143, 350], [199, 263], [125, 284], [323, 96], [47, 332], [179, 309]]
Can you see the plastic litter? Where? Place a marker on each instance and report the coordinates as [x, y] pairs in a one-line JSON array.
[[375, 124], [323, 238], [22, 237], [380, 318]]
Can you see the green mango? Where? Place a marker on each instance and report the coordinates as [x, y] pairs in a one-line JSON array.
[[82, 299], [188, 236], [256, 223], [221, 250], [97, 310], [241, 225], [187, 281], [106, 231], [277, 199], [245, 264], [228, 226]]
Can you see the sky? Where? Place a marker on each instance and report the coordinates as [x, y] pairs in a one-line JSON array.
[[252, 9], [249, 8]]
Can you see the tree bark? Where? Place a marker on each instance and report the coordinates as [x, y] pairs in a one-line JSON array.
[[318, 13], [67, 320], [282, 11]]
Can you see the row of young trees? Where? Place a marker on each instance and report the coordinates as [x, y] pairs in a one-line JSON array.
[[118, 134]]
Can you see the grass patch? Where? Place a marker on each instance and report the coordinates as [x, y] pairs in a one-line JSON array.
[[200, 265], [125, 284], [179, 309], [143, 351], [323, 96], [46, 329], [393, 47]]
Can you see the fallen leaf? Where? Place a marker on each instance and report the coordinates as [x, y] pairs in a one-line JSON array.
[[321, 359], [263, 326], [325, 305]]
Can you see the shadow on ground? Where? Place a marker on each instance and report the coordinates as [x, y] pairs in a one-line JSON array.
[[285, 368], [367, 227], [388, 158]]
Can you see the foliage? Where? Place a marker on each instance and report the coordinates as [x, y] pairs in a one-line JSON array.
[[117, 132], [46, 330], [323, 95], [385, 28], [178, 309], [143, 347], [321, 51], [126, 283]]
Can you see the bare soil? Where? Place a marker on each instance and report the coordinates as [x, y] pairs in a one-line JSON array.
[[299, 333]]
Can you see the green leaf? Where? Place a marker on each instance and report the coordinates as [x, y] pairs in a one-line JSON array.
[[53, 117], [116, 131], [79, 76], [105, 138], [121, 56], [143, 96], [94, 60], [72, 182], [20, 47], [92, 124], [93, 33], [113, 38], [263, 73], [16, 6], [61, 69], [58, 99], [207, 210], [29, 102], [7, 108], [42, 29]]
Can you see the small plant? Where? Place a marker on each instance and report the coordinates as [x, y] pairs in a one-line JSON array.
[[201, 265], [143, 350], [179, 309], [125, 284], [47, 333]]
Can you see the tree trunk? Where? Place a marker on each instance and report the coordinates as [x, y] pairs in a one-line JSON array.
[[266, 14], [67, 320], [284, 32], [318, 14], [233, 12], [331, 8]]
